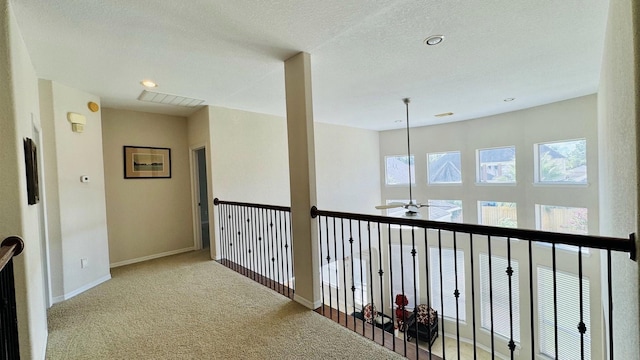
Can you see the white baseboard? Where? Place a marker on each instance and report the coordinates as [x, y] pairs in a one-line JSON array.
[[82, 289], [150, 257], [44, 346], [306, 303]]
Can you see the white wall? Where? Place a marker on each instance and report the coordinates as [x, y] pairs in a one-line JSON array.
[[77, 212], [347, 169], [146, 217], [249, 157], [249, 161], [619, 107], [18, 116]]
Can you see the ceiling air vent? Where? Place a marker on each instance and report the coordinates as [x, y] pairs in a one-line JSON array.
[[168, 99]]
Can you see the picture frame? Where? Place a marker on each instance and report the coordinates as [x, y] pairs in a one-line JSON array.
[[144, 162], [31, 166]]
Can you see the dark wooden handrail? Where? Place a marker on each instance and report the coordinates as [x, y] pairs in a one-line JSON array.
[[598, 242], [216, 202], [11, 246]]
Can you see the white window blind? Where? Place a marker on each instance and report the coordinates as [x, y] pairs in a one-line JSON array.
[[568, 314], [330, 274], [448, 282], [360, 273], [404, 274], [500, 284]]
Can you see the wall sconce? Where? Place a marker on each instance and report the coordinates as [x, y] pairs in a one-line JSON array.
[[77, 121]]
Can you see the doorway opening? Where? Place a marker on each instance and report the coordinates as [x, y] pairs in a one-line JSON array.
[[202, 196]]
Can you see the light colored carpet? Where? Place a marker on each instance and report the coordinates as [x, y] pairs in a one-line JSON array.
[[188, 307]]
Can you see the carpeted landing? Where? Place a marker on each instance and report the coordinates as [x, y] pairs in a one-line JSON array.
[[189, 307]]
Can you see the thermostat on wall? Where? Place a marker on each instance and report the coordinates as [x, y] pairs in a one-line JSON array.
[[84, 178]]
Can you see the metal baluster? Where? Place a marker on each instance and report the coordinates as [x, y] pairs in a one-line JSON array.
[[335, 254], [279, 247], [254, 242], [512, 344], [232, 244], [426, 257], [533, 331], [353, 280], [456, 292], [393, 313], [610, 293], [582, 328], [493, 345], [248, 250], [381, 273], [404, 338], [287, 220], [222, 222], [370, 280], [362, 275], [473, 298], [441, 291], [270, 250], [555, 299], [344, 278], [262, 241], [415, 290], [243, 240], [326, 226], [321, 258]]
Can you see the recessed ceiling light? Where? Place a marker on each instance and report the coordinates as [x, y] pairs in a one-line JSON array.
[[444, 114], [509, 99], [434, 39], [148, 83]]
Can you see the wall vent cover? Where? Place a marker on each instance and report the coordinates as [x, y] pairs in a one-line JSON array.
[[169, 99]]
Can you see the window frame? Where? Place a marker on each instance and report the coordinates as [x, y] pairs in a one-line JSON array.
[[537, 166]]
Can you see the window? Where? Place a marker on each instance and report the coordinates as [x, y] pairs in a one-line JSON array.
[[572, 220], [493, 213], [444, 168], [449, 276], [568, 314], [500, 293], [562, 162], [445, 210], [397, 170], [403, 273], [497, 165]]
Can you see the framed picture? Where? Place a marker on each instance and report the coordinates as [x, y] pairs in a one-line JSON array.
[[31, 164], [146, 162]]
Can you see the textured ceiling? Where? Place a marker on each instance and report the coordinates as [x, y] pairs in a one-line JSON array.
[[366, 54]]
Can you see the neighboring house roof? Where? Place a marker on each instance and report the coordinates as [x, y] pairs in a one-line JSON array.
[[446, 169], [544, 149], [498, 155]]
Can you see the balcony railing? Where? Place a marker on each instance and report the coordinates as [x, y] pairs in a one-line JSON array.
[[255, 241], [414, 285], [433, 290], [9, 349]]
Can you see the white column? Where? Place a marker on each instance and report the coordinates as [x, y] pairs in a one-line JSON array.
[[302, 175]]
